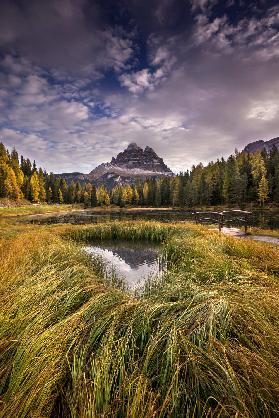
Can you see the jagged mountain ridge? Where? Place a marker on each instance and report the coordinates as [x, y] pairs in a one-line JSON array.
[[133, 161], [133, 164], [262, 145]]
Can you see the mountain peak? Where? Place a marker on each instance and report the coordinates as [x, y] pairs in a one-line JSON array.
[[131, 164], [261, 145], [133, 145], [149, 150]]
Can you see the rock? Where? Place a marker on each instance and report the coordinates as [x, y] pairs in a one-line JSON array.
[[262, 145], [127, 167]]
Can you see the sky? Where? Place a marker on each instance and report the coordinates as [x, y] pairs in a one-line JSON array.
[[81, 79]]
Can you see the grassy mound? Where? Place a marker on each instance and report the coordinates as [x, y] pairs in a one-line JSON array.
[[204, 342]]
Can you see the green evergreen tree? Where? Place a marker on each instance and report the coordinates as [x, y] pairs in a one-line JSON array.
[[93, 196], [158, 196], [232, 182]]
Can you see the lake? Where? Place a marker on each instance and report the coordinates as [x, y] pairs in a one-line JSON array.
[[262, 219]]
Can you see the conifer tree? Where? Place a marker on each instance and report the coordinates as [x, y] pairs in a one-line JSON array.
[[93, 196], [71, 193], [49, 195], [17, 170], [263, 190], [129, 194], [158, 197], [60, 196], [146, 193], [8, 182], [177, 192], [136, 197], [78, 192], [35, 187], [232, 182], [276, 184], [42, 191], [102, 196]]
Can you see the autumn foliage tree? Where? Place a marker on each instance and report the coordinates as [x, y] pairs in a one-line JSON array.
[[241, 179]]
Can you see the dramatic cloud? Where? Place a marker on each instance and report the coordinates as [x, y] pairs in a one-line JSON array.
[[194, 79]]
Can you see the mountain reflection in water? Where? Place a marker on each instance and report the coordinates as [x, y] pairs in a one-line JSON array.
[[133, 263]]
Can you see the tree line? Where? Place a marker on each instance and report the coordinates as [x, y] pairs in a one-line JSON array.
[[242, 178]]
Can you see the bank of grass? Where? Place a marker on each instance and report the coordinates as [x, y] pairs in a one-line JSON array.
[[22, 208], [204, 342], [34, 209]]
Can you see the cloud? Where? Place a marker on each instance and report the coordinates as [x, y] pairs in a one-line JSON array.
[[253, 38], [161, 63], [264, 110], [139, 81], [76, 86], [203, 5], [57, 34]]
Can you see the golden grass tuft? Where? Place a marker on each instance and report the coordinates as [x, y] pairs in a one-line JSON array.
[[202, 342]]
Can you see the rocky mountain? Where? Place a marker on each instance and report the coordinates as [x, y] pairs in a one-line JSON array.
[[76, 176], [261, 145], [133, 164]]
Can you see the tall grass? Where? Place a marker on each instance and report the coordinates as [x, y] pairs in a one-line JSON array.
[[204, 342]]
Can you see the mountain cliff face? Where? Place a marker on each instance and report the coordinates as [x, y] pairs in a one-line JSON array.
[[261, 145], [133, 164]]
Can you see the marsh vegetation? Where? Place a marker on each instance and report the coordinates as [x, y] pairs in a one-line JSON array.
[[201, 342]]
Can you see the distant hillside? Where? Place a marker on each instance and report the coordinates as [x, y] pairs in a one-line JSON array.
[[261, 145], [133, 164], [76, 176]]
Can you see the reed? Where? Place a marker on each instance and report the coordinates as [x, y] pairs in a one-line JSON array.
[[202, 342]]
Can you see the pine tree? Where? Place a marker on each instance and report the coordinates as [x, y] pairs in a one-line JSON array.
[[93, 197], [42, 191], [64, 188], [158, 197], [102, 196], [263, 190], [146, 193], [17, 170], [276, 185], [87, 199], [35, 187], [49, 195], [71, 192], [8, 183], [129, 195], [165, 191], [195, 178], [4, 156], [26, 167], [60, 197], [78, 193], [177, 191], [232, 182], [136, 197], [123, 197]]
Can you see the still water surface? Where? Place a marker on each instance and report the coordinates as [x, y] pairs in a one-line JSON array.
[[262, 219], [128, 263]]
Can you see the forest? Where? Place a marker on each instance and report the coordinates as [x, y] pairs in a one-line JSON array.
[[241, 179]]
